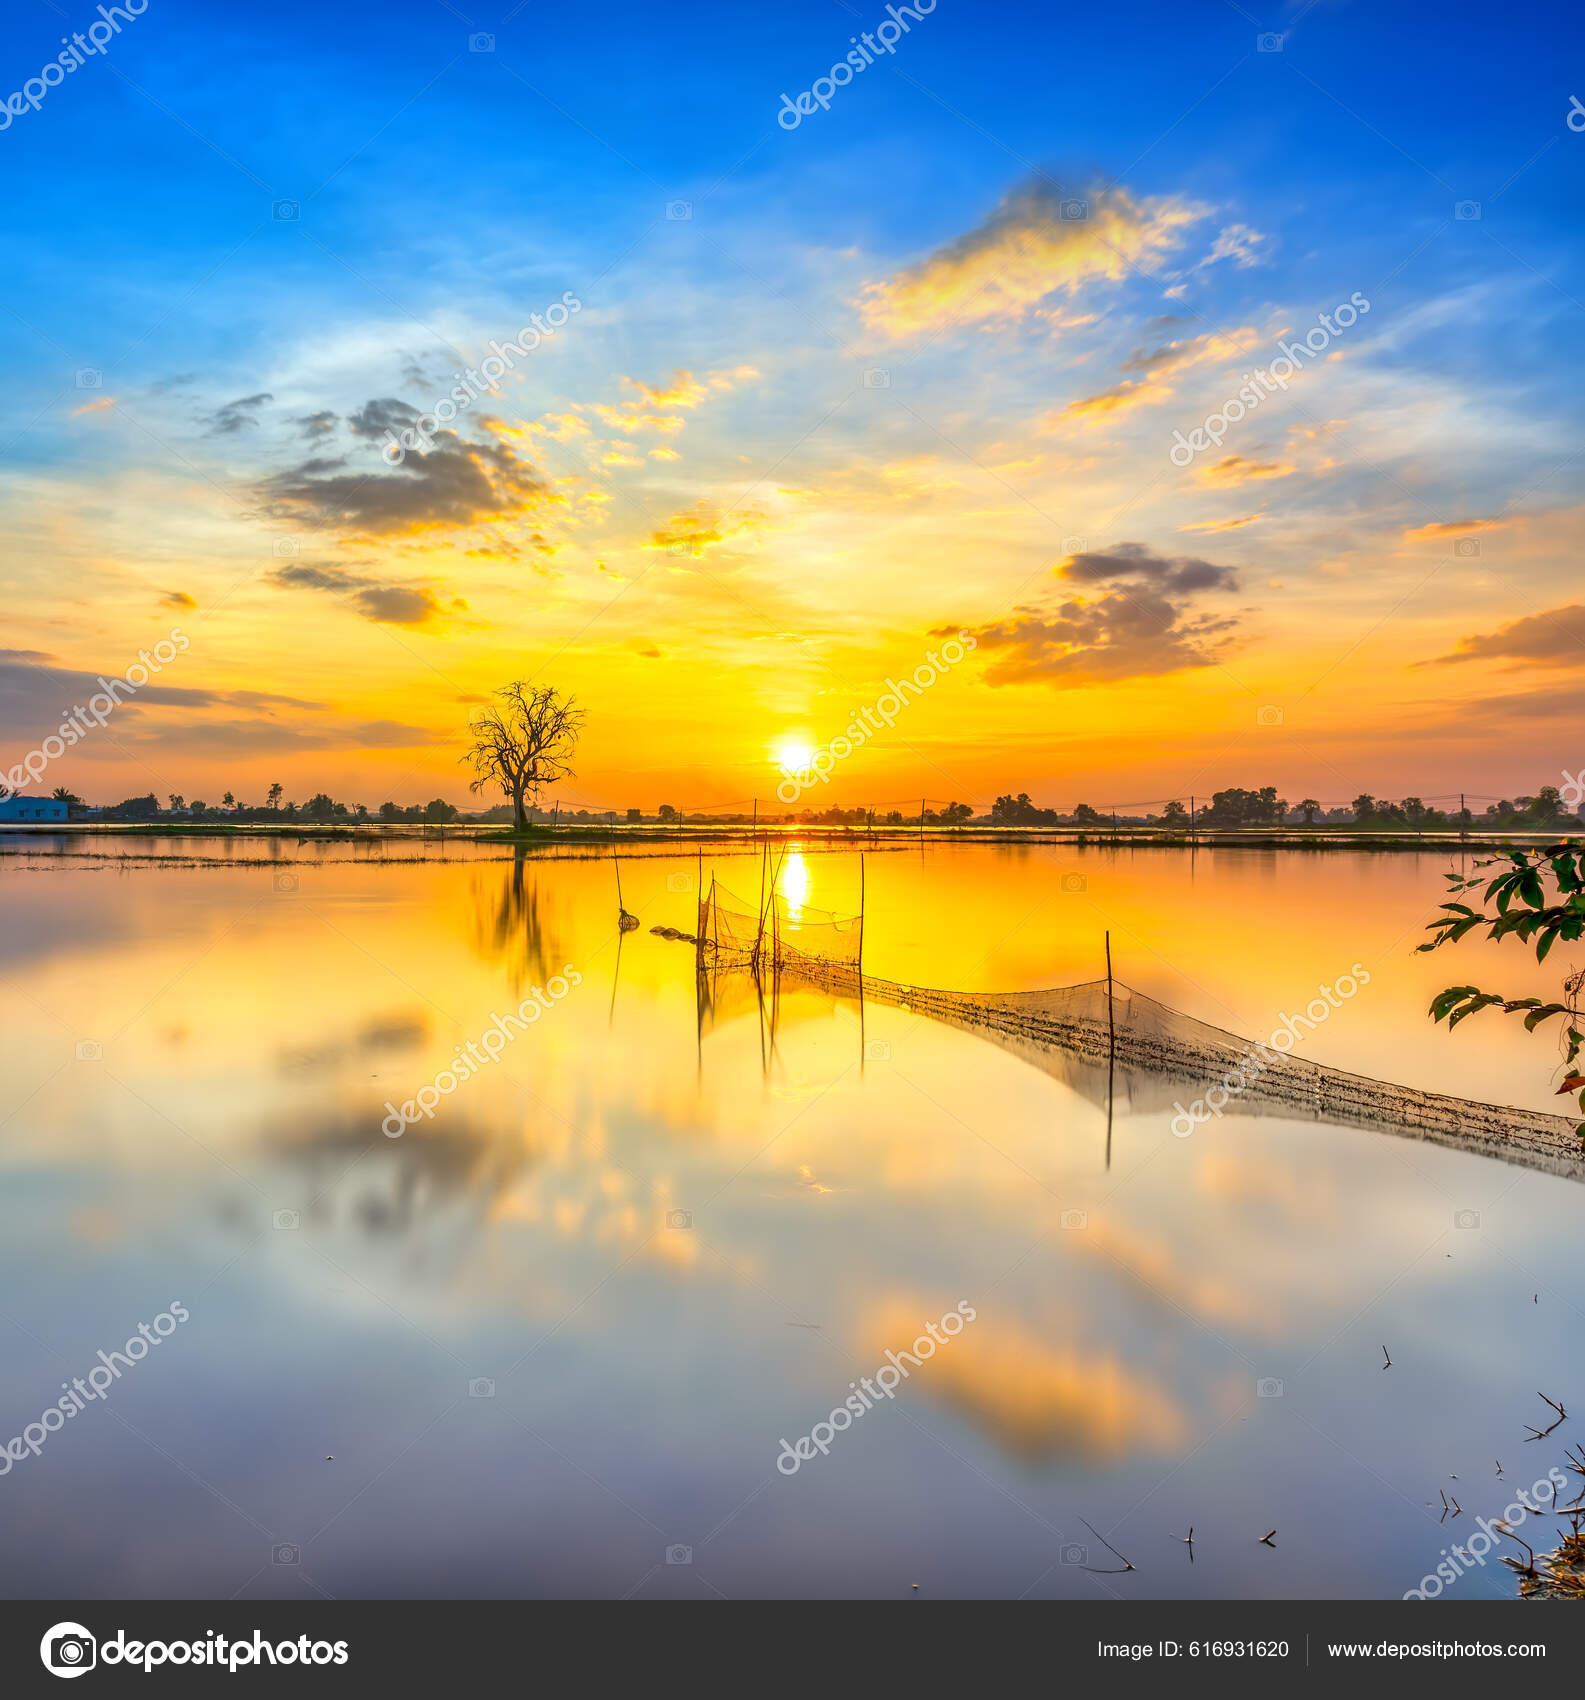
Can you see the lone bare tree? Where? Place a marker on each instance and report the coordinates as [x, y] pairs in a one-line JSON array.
[[523, 741]]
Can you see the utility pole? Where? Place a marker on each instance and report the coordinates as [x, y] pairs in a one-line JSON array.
[[921, 815], [1191, 813], [1463, 819], [755, 828]]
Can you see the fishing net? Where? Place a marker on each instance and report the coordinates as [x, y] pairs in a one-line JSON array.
[[1110, 1041], [793, 935]]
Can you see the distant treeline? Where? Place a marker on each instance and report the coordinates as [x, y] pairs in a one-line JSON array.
[[1233, 808]]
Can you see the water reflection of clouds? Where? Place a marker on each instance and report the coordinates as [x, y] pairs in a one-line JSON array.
[[527, 1224]]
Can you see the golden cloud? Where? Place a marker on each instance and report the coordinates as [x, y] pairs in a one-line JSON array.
[[1452, 528], [1238, 469], [1036, 1400], [1035, 245]]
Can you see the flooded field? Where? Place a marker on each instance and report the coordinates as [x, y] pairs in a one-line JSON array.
[[555, 1338]]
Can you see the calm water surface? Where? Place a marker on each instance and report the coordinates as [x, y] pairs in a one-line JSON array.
[[550, 1342]]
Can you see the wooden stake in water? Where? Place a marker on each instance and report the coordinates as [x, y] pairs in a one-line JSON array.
[[1111, 1029], [1111, 1050], [861, 923]]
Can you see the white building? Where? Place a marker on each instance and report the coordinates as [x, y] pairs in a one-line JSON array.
[[22, 808]]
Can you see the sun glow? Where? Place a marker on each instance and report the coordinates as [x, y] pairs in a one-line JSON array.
[[793, 755], [795, 883]]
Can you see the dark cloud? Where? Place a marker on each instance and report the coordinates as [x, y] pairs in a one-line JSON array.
[[38, 692], [237, 415], [1136, 561], [1140, 624], [178, 599], [316, 425], [194, 735], [457, 483], [387, 604], [1553, 639]]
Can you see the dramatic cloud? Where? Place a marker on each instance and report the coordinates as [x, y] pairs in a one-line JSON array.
[[237, 415], [1140, 624], [1036, 244], [1135, 561], [457, 483], [178, 599], [316, 425], [37, 691], [1553, 639], [385, 604]]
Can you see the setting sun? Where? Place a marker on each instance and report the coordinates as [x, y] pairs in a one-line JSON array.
[[793, 754]]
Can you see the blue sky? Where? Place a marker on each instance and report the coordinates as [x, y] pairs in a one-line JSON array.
[[444, 193]]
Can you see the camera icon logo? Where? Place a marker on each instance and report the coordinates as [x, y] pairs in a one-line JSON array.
[[481, 1387], [285, 884], [89, 378], [679, 211], [679, 1555], [89, 1050], [878, 1050], [285, 546], [1075, 1218], [1269, 1387], [68, 1650], [1268, 43], [1075, 1554], [482, 42], [679, 1218], [1074, 545], [1269, 714], [1075, 882], [877, 378], [285, 1553], [1466, 1218], [1075, 211], [1466, 210], [287, 1220], [285, 212], [679, 882], [1466, 548]]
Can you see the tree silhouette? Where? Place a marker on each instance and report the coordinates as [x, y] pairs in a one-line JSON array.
[[523, 742]]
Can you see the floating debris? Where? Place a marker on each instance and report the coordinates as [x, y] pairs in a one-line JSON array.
[[1109, 1547], [1269, 1538]]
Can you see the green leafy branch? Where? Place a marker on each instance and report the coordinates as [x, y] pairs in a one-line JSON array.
[[1537, 898]]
